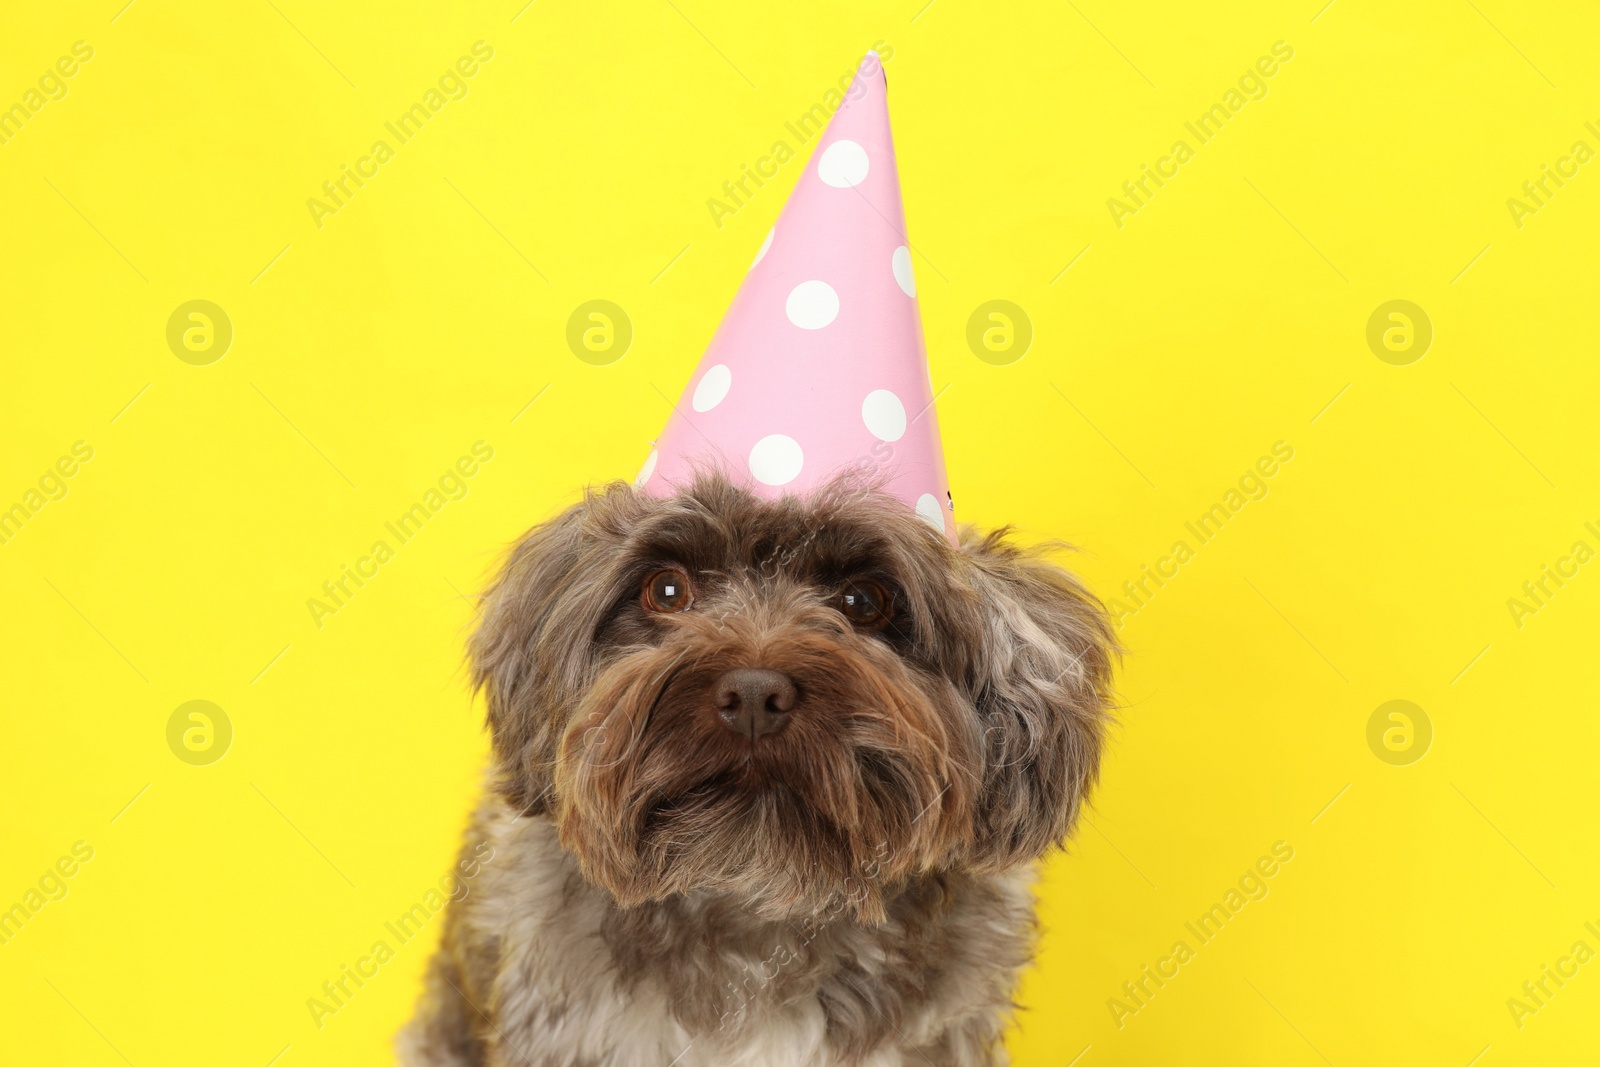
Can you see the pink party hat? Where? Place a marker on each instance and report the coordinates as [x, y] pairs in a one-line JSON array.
[[819, 366]]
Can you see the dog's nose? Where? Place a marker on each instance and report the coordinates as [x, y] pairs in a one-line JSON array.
[[752, 701]]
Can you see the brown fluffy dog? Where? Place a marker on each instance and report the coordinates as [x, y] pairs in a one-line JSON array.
[[771, 779]]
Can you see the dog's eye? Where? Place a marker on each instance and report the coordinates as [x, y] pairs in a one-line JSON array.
[[866, 603], [667, 591]]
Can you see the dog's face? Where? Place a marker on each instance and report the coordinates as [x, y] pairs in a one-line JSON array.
[[795, 703]]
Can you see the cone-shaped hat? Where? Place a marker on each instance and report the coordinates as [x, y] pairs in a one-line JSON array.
[[819, 366]]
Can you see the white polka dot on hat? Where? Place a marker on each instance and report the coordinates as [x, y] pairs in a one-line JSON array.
[[819, 367]]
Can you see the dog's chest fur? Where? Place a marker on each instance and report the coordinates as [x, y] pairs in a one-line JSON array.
[[538, 967]]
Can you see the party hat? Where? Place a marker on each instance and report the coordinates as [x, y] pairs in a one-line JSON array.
[[819, 366]]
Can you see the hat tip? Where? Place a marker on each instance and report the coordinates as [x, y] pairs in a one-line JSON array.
[[872, 66]]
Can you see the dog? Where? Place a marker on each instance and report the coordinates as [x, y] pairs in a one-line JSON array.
[[770, 780]]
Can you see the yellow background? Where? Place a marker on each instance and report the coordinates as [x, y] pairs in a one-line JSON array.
[[427, 313]]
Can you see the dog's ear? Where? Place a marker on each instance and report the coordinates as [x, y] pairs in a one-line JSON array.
[[1041, 684], [530, 653]]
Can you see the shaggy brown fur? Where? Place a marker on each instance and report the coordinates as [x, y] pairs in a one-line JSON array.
[[850, 889]]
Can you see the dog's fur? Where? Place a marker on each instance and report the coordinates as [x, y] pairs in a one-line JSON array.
[[853, 889]]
